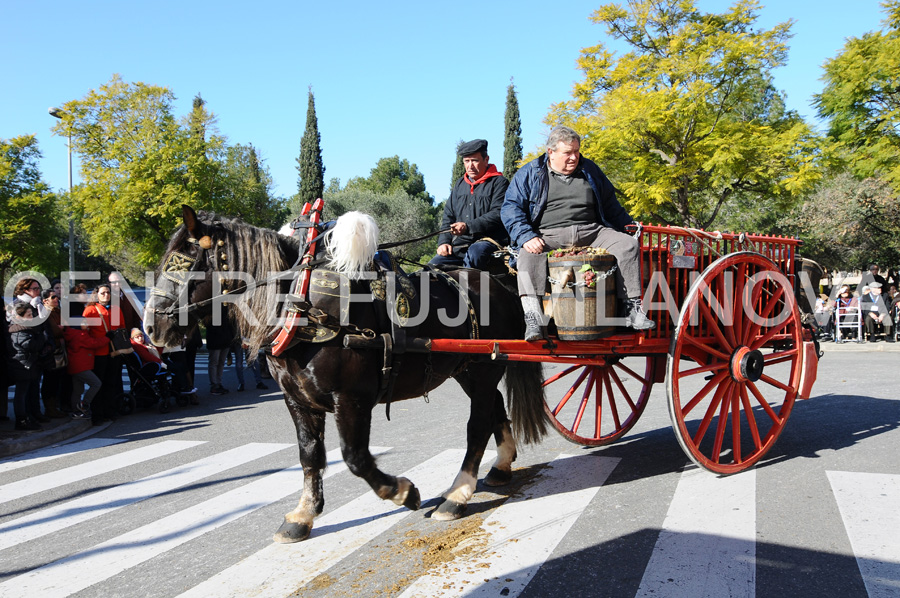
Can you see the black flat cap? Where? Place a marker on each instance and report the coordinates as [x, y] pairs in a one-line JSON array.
[[473, 147]]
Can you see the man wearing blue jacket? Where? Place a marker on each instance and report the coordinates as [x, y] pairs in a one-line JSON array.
[[562, 199]]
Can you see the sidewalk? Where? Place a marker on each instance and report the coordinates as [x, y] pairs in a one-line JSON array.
[[853, 346], [13, 442]]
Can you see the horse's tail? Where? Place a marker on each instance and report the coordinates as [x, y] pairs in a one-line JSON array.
[[352, 244], [525, 400]]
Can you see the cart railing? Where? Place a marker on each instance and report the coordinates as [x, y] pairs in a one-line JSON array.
[[673, 257]]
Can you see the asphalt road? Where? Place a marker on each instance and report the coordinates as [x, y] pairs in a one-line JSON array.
[[187, 502]]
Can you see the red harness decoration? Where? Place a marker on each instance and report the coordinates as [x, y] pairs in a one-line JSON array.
[[301, 285]]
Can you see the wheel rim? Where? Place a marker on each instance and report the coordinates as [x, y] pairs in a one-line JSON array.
[[595, 405], [734, 363]]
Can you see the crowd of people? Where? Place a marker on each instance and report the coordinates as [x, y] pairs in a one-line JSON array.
[[59, 369], [868, 313]]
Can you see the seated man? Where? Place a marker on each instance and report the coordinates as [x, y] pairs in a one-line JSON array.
[[472, 213], [875, 313], [562, 199]]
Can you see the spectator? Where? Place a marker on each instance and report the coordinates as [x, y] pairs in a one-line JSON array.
[[28, 290], [875, 314], [151, 361], [254, 365], [871, 275], [5, 380], [192, 342], [81, 346], [218, 340], [55, 381], [106, 367], [824, 317], [845, 321], [176, 359], [78, 300], [26, 342]]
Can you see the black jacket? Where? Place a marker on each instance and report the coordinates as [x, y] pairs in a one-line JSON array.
[[26, 343], [480, 211]]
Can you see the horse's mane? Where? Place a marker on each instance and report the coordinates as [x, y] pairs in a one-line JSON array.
[[258, 252]]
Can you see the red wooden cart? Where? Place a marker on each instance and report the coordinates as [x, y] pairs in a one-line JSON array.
[[729, 346]]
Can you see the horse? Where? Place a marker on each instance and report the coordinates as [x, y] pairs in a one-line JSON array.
[[199, 268]]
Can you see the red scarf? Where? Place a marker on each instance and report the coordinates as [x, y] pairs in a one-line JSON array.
[[490, 172]]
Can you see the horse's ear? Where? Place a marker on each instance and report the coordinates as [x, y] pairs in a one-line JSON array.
[[191, 222]]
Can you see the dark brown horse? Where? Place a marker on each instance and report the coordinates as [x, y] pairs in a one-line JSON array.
[[204, 261]]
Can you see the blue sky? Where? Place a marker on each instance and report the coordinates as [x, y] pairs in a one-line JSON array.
[[406, 78]]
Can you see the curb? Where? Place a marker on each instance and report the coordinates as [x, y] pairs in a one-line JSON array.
[[852, 347], [36, 440]]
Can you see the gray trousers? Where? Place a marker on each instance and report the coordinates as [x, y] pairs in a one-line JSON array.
[[532, 268], [79, 381]]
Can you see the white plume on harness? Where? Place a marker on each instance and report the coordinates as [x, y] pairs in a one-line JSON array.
[[353, 243]]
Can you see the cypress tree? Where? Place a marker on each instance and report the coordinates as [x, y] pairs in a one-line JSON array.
[[458, 169], [512, 139], [311, 182]]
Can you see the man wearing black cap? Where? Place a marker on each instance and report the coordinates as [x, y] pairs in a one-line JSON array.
[[876, 313], [472, 213], [871, 275]]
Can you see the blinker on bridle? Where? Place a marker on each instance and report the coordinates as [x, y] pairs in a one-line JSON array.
[[176, 268]]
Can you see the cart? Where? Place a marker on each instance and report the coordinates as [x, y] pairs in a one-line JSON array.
[[729, 346]]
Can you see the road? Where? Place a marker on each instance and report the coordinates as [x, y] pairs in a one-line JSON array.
[[185, 504]]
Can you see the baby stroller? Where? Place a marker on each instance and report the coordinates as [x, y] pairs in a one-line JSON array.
[[150, 384]]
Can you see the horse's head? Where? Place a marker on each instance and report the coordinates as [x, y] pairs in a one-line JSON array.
[[184, 279]]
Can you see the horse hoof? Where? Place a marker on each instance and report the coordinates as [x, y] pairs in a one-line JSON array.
[[290, 532], [496, 477], [448, 511], [413, 499]]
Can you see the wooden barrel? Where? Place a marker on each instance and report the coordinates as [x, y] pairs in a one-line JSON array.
[[574, 305]]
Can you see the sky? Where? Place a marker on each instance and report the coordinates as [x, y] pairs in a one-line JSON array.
[[406, 78]]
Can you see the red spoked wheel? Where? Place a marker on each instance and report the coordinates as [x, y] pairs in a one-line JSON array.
[[594, 405], [735, 362]]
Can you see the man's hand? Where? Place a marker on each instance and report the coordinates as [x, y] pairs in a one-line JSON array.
[[459, 228], [444, 249], [535, 245]]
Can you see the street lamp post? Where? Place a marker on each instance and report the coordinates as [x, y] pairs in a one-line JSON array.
[[57, 113]]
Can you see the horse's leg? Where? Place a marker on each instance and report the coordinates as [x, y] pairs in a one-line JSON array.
[[501, 472], [354, 420], [310, 438], [476, 382]]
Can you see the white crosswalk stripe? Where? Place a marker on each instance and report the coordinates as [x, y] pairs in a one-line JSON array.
[[83, 569], [48, 481], [870, 505], [276, 570], [711, 525], [522, 533], [54, 452], [704, 544], [94, 505]]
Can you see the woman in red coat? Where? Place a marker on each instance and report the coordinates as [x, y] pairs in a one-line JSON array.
[[105, 366], [80, 346]]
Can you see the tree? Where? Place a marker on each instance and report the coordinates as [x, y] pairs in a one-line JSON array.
[[393, 174], [138, 166], [688, 119], [458, 168], [512, 137], [861, 100], [247, 185], [399, 216], [311, 182], [31, 234], [848, 223]]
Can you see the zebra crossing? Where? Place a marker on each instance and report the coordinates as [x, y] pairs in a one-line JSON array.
[[705, 545]]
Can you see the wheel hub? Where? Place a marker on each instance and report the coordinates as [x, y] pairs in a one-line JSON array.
[[746, 365]]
